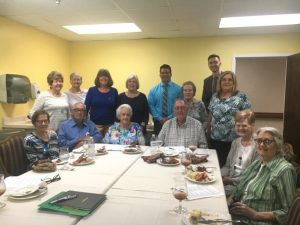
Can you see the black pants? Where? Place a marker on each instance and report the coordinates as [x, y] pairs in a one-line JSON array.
[[222, 149], [157, 127]]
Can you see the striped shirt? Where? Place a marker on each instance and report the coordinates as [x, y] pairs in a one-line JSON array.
[[37, 149], [268, 188]]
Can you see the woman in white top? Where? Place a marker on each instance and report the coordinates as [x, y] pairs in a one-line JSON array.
[[53, 101], [242, 152], [75, 94]]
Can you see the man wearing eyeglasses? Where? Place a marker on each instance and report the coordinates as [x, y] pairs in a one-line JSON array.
[[75, 131], [182, 130]]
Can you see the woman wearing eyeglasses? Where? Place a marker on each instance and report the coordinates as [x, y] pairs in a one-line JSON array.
[[42, 143], [267, 187]]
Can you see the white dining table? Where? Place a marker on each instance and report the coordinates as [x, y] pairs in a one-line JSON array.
[[143, 195], [96, 178]]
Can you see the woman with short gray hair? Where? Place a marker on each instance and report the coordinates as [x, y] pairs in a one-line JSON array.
[[125, 132]]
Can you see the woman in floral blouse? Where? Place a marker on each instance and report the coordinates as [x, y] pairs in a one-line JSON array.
[[124, 132], [222, 109]]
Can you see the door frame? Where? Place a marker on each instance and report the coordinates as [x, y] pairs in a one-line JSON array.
[[265, 55]]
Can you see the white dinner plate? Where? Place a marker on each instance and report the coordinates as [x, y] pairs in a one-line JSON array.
[[35, 194], [79, 150], [211, 180], [169, 152], [130, 151], [24, 191], [160, 162], [88, 161], [58, 162], [101, 153]]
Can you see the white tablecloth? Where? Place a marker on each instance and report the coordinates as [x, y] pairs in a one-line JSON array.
[[143, 195], [96, 178]]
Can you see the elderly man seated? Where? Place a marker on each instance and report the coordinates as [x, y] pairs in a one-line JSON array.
[[182, 130], [75, 131]]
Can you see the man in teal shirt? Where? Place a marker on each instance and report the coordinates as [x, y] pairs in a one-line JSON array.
[[156, 96]]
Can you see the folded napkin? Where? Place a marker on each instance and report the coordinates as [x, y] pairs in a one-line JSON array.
[[152, 158]]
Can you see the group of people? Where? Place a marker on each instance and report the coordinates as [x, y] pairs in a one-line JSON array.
[[254, 171]]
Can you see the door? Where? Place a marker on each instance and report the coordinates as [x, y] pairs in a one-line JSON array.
[[291, 126]]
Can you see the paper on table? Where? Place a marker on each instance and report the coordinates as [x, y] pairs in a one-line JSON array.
[[13, 182], [196, 191]]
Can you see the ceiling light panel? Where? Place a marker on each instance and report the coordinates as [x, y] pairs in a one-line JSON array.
[[104, 28], [256, 21]]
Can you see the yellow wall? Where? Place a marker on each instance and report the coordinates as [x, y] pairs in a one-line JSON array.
[[187, 56], [25, 50]]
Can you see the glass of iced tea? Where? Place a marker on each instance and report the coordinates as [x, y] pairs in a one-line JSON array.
[[180, 192], [185, 161]]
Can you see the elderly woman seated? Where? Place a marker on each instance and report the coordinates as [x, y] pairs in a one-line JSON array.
[[266, 189], [242, 152], [42, 143], [125, 132]]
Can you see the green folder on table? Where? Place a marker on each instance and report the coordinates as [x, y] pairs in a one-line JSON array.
[[82, 205]]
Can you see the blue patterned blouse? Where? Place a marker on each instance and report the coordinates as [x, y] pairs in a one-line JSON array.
[[223, 112], [116, 135]]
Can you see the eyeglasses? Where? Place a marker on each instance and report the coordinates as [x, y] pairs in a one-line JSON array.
[[79, 110], [50, 180], [265, 142], [42, 121]]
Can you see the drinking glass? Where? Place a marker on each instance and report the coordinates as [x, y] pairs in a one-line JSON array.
[[64, 156], [193, 148], [155, 145], [85, 146], [2, 190], [180, 193], [185, 161]]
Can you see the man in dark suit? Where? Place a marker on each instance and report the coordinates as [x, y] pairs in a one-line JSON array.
[[210, 83]]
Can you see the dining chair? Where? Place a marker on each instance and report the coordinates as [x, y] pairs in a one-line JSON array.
[[293, 214]]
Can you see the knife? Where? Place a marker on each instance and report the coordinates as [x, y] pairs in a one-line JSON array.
[[209, 221]]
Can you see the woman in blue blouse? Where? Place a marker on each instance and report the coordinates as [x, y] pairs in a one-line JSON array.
[[101, 101], [222, 109], [125, 132]]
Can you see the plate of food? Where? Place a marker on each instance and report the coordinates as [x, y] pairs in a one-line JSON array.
[[196, 217], [37, 193], [200, 177], [101, 151], [82, 161], [168, 161], [199, 159], [132, 149], [24, 191]]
